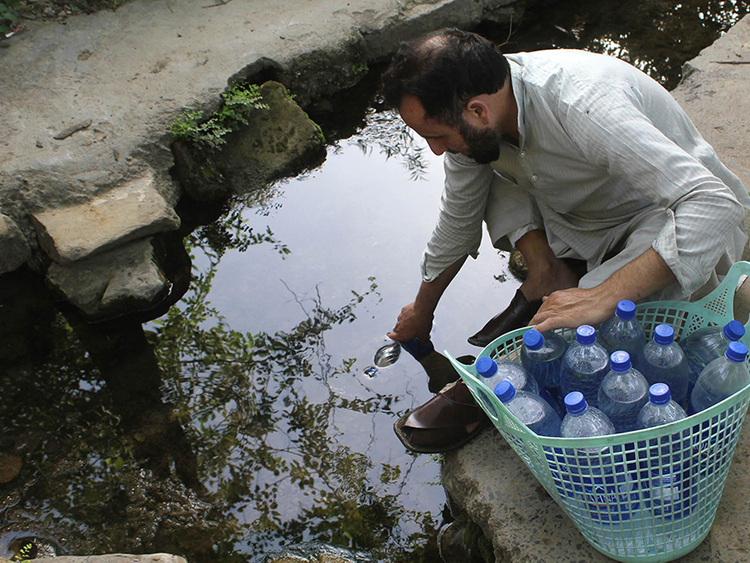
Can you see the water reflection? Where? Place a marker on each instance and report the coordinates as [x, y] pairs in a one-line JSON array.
[[657, 37]]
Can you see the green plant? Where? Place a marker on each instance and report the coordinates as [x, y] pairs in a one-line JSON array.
[[238, 103], [8, 17], [25, 553]]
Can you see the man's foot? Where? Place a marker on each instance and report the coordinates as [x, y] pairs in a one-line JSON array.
[[449, 420], [518, 314], [563, 274]]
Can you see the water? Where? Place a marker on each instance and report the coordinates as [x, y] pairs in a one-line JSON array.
[[602, 485], [668, 474], [249, 419], [530, 409], [663, 361], [706, 344], [623, 393], [720, 379], [541, 356], [623, 331], [584, 365], [493, 372]]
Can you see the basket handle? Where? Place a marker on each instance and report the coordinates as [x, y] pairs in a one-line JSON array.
[[724, 293]]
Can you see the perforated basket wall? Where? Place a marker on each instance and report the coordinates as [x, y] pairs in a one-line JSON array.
[[649, 495]]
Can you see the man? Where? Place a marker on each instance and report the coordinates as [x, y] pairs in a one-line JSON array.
[[575, 159]]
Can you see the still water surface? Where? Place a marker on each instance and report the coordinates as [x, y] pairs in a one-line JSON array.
[[249, 419]]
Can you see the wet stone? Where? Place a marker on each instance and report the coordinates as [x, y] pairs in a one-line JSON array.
[[10, 467], [119, 281], [129, 212], [14, 250]]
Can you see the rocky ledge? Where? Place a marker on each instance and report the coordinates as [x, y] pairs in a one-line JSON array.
[[87, 167]]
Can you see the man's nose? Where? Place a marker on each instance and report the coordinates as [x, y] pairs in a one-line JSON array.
[[436, 146]]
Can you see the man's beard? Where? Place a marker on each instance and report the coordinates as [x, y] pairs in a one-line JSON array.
[[484, 144]]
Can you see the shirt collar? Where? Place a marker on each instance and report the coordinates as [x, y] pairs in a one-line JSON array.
[[516, 82]]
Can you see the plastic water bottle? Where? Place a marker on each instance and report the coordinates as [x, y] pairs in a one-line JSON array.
[[623, 331], [542, 356], [721, 378], [623, 392], [670, 487], [706, 344], [607, 491], [529, 409], [493, 372], [663, 361], [584, 365]]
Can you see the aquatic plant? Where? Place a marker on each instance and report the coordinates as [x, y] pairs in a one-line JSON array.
[[237, 104]]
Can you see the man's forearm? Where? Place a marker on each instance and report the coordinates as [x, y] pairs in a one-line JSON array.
[[430, 292], [573, 307]]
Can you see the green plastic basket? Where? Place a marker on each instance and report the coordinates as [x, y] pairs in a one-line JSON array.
[[649, 495]]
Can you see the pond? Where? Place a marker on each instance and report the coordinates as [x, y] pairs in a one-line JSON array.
[[249, 420]]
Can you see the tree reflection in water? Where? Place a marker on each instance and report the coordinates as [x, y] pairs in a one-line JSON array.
[[106, 465]]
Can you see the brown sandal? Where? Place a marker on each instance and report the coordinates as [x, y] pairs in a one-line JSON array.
[[449, 420]]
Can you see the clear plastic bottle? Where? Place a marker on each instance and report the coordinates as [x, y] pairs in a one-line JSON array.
[[706, 344], [663, 361], [607, 490], [623, 392], [542, 357], [669, 481], [584, 365], [721, 378], [623, 331], [529, 409], [493, 372]]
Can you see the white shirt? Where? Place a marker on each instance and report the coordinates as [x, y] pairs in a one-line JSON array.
[[600, 144]]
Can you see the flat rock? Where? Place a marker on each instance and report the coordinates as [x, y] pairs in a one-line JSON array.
[[122, 280], [129, 212], [10, 467], [14, 250]]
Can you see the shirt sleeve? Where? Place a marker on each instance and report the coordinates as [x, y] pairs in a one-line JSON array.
[[458, 231], [613, 131]]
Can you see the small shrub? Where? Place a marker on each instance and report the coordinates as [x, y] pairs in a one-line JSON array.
[[238, 102]]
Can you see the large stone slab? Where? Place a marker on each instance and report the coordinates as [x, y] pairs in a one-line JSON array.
[[14, 250], [114, 558], [715, 93], [117, 282], [129, 212], [490, 482]]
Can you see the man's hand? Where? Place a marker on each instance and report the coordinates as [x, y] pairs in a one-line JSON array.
[[571, 308], [413, 322]]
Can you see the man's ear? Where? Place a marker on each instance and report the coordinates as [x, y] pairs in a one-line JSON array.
[[477, 111]]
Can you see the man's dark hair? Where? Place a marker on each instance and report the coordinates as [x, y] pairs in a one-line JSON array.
[[445, 69]]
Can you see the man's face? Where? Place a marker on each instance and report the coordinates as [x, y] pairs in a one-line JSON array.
[[483, 144]]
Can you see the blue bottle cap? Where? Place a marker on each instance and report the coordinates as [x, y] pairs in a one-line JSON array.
[[486, 366], [737, 352], [659, 394], [620, 360], [664, 335], [533, 339], [625, 310], [505, 391], [575, 402], [585, 334], [734, 330]]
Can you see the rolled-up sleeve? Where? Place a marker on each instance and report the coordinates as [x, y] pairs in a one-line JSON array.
[[458, 231], [702, 212]]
